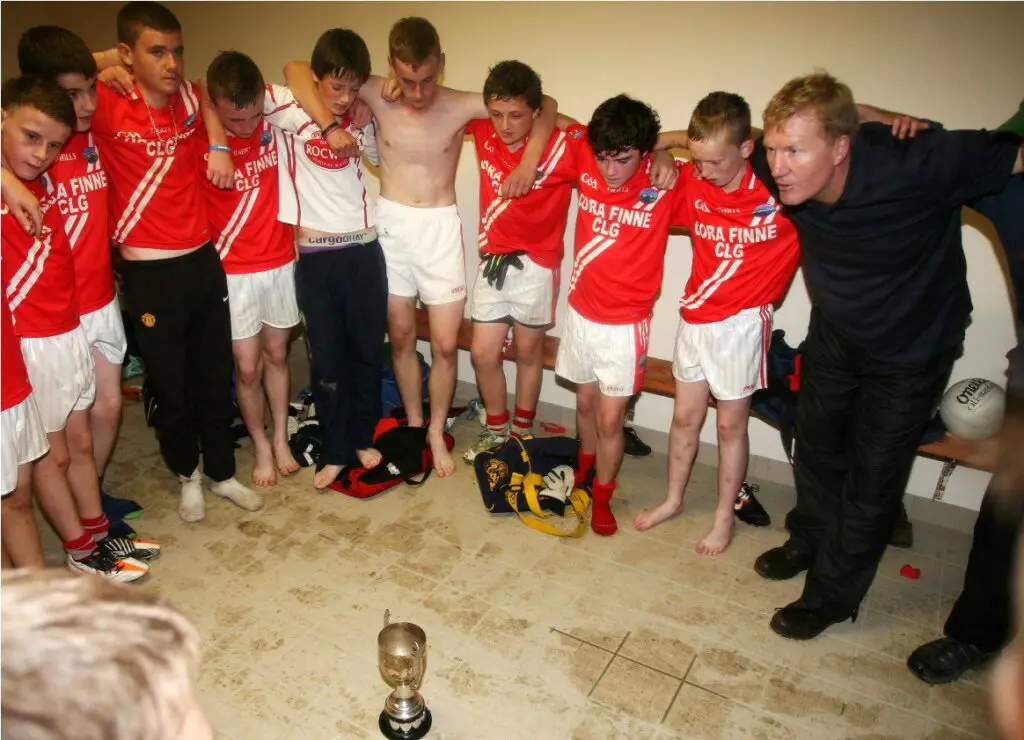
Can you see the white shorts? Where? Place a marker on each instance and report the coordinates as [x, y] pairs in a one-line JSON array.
[[63, 379], [258, 298], [527, 297], [423, 251], [731, 354], [104, 330], [22, 440], [612, 354]]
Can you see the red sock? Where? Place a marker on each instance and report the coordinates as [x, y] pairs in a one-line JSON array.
[[498, 423], [602, 521], [97, 528], [522, 423], [80, 547], [586, 464]]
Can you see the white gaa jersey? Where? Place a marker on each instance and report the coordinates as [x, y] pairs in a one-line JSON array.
[[318, 190]]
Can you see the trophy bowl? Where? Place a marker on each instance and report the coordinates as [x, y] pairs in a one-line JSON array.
[[402, 660]]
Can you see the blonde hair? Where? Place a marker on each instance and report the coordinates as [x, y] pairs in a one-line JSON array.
[[827, 98], [87, 659]]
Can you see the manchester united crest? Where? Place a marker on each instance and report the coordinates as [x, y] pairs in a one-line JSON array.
[[148, 320]]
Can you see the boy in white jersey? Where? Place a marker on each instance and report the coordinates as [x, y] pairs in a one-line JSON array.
[[421, 233], [341, 279], [258, 255]]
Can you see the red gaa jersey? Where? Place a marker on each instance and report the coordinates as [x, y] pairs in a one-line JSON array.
[[38, 273], [246, 232], [15, 386], [80, 191], [745, 250], [621, 236], [535, 223], [154, 159]]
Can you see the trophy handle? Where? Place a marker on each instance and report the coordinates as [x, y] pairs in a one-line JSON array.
[[387, 617]]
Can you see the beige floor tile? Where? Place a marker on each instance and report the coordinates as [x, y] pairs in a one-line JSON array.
[[697, 714], [729, 673], [754, 592], [807, 700], [964, 706], [888, 679], [711, 575], [891, 635], [597, 621], [597, 721], [906, 600], [939, 731], [658, 646], [636, 690], [894, 559], [829, 657]]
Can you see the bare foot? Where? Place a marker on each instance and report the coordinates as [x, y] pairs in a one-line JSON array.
[[326, 476], [443, 463], [263, 473], [286, 464], [369, 458], [665, 510], [719, 537]]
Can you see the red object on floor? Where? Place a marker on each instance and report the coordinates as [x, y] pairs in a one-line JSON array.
[[552, 428], [909, 571]]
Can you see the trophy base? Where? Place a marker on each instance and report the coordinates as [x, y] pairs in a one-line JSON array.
[[413, 730]]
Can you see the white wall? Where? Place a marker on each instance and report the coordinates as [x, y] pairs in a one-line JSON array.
[[960, 63]]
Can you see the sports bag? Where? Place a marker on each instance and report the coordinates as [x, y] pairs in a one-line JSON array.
[[405, 458], [533, 478]]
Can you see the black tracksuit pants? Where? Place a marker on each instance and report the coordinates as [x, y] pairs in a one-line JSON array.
[[343, 295], [859, 422], [179, 313]]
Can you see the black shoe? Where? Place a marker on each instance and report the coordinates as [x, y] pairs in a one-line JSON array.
[[749, 509], [121, 528], [797, 621], [635, 447], [945, 660], [783, 563], [903, 531], [119, 508]]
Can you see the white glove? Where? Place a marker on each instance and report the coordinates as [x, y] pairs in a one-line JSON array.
[[559, 482]]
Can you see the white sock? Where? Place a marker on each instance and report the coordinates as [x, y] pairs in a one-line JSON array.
[[192, 507], [238, 494]]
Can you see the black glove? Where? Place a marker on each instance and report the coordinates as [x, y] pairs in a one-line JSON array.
[[496, 265]]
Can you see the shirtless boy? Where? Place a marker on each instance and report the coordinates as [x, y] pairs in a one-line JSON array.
[[420, 138]]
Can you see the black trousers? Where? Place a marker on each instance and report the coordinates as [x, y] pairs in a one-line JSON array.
[[179, 314], [983, 614], [343, 295], [859, 422]]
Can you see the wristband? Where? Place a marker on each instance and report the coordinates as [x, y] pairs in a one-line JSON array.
[[329, 128], [219, 148]]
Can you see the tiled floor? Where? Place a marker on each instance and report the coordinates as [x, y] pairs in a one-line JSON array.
[[633, 636]]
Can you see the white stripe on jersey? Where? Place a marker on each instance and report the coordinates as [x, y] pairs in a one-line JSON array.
[[495, 209], [95, 163], [237, 222], [73, 228], [188, 96], [548, 166], [149, 185], [36, 261], [711, 284], [596, 251]]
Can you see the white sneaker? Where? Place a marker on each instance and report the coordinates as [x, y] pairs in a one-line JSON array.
[[192, 507], [103, 564], [238, 494]]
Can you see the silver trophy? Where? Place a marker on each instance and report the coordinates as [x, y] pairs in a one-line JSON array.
[[402, 659]]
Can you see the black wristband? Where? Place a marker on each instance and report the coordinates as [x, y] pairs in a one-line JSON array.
[[329, 128]]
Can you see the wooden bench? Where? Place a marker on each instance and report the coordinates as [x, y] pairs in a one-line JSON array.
[[951, 451]]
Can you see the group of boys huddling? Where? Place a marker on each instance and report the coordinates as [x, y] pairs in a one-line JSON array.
[[234, 204]]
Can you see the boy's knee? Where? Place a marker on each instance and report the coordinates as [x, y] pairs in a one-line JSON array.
[[731, 430], [249, 372], [276, 354]]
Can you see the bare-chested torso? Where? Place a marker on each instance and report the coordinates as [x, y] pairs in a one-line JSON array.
[[419, 150]]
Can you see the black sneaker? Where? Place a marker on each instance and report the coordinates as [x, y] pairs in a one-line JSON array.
[[635, 447], [903, 531], [122, 547], [749, 509], [945, 660]]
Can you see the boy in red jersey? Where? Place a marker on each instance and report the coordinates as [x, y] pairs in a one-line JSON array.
[[174, 285], [258, 254], [521, 244], [621, 234], [22, 441], [80, 181], [39, 286], [745, 253]]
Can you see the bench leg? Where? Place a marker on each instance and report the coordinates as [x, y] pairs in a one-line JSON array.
[[940, 488]]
